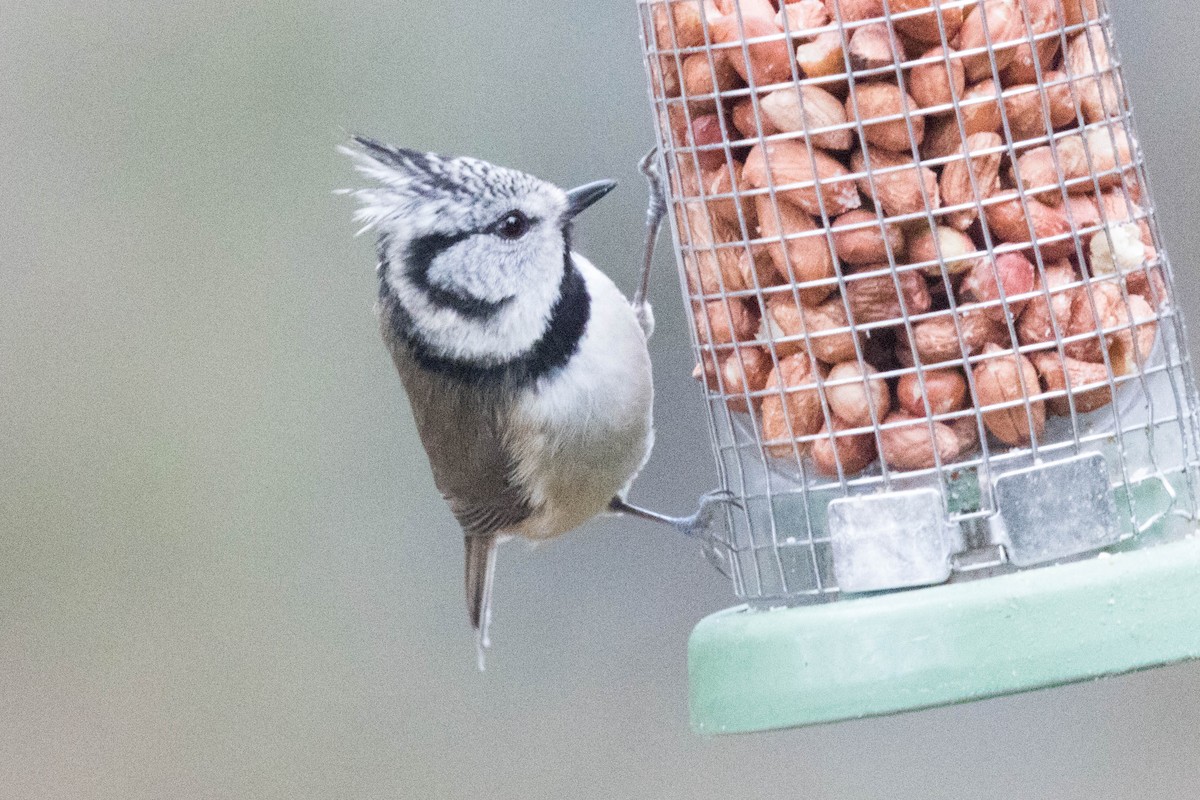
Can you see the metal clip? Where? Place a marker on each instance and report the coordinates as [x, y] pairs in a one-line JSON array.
[[890, 541], [1053, 511]]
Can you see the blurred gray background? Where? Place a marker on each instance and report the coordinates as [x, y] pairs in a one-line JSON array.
[[226, 570]]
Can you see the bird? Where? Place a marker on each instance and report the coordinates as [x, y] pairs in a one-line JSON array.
[[526, 368]]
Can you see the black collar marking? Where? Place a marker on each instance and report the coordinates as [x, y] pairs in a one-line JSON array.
[[568, 322], [417, 259]]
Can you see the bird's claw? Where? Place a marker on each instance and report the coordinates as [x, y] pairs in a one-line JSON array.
[[648, 166], [696, 526]]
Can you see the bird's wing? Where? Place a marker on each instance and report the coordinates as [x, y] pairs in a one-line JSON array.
[[462, 430], [463, 435]]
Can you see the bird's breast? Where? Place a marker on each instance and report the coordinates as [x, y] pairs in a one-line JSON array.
[[580, 436]]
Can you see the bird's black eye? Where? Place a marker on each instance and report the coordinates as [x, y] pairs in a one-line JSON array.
[[513, 225]]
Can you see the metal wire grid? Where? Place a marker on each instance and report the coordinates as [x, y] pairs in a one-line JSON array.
[[778, 548]]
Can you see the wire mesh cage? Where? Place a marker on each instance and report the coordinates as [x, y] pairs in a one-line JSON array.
[[933, 316]]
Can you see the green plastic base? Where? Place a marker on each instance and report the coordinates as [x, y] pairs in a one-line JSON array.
[[868, 656]]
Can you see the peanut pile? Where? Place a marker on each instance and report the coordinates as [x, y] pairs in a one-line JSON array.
[[945, 241]]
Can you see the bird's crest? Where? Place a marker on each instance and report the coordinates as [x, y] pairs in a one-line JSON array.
[[413, 183]]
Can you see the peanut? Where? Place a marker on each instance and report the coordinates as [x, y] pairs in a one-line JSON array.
[[939, 82], [1011, 272], [897, 184], [981, 108], [703, 80], [769, 61], [746, 123], [749, 8], [706, 133], [709, 267], [788, 166], [1082, 211], [875, 103], [1094, 307], [1123, 326], [678, 25], [873, 47], [856, 395], [744, 372], [915, 443], [1011, 221], [937, 339], [1023, 106], [678, 124], [722, 187], [822, 57], [924, 27], [861, 238], [945, 391], [665, 77], [1076, 12], [755, 269], [1038, 170], [726, 321], [1042, 18], [956, 183], [1004, 26], [1108, 148], [1041, 315], [966, 430], [1088, 64], [943, 138], [829, 337], [797, 246], [1116, 248], [855, 10], [1066, 376], [1131, 347], [1004, 379], [853, 452], [1148, 284], [874, 298], [791, 409], [811, 110], [1118, 205], [933, 247], [704, 372], [802, 16]]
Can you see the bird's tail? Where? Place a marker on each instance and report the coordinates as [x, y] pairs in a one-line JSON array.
[[480, 573]]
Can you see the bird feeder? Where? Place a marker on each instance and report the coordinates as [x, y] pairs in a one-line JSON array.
[[946, 371]]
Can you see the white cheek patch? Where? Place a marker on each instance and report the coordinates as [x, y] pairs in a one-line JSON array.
[[489, 268], [483, 267], [506, 335]]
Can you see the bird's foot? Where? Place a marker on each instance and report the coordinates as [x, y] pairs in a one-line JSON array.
[[644, 313], [695, 526], [657, 207]]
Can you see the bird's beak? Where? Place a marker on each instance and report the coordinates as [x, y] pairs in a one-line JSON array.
[[581, 197]]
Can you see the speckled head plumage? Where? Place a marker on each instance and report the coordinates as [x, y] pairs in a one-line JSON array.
[[428, 191], [474, 257]]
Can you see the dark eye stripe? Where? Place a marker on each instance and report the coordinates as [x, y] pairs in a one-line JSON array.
[[418, 258], [568, 322]]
